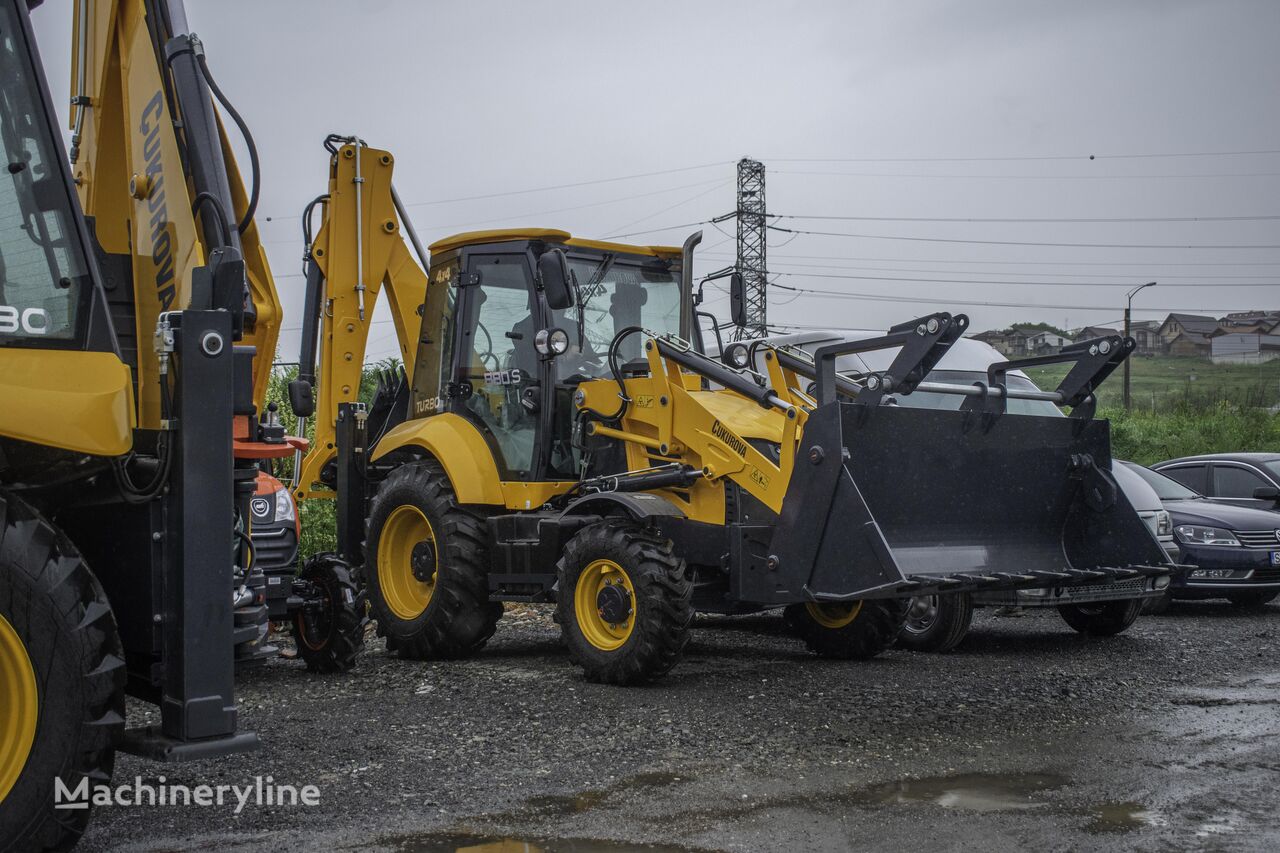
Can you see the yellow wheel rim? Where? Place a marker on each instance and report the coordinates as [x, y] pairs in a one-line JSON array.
[[19, 707], [406, 536], [833, 615], [604, 603]]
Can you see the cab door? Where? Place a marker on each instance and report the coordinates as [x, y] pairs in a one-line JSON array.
[[496, 366]]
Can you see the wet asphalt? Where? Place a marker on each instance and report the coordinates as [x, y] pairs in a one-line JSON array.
[[1027, 736]]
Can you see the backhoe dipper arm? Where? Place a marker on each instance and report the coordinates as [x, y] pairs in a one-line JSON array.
[[358, 251], [154, 168]]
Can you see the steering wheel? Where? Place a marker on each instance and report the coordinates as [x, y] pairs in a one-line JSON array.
[[487, 353]]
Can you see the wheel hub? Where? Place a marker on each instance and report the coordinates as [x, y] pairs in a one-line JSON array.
[[423, 561], [614, 603], [19, 707]]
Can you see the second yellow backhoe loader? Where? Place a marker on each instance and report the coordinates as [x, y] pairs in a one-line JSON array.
[[558, 435]]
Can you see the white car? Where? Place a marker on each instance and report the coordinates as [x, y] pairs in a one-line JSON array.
[[939, 622]]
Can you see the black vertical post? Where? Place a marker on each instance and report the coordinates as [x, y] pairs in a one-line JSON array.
[[198, 689], [1127, 309], [351, 438]]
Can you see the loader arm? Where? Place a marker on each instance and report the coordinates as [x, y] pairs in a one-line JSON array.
[[358, 252]]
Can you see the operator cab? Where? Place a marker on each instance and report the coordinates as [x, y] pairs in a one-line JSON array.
[[494, 351]]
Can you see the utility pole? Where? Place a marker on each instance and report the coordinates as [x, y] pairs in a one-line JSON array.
[[1128, 308], [751, 248]]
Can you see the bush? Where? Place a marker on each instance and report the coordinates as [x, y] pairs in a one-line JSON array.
[[1146, 437]]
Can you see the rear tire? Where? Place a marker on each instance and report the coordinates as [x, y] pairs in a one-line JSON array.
[[1104, 619], [936, 623], [1251, 600], [624, 603], [330, 636], [427, 567], [858, 631], [58, 637]]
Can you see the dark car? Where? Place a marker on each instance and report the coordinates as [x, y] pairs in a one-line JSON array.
[[1240, 479], [1235, 550]]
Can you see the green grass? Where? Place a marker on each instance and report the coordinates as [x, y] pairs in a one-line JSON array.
[[1145, 436], [1168, 381]]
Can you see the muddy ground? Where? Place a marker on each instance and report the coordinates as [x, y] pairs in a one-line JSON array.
[[1027, 736]]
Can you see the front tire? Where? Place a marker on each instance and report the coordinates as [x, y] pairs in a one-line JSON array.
[[329, 628], [1251, 600], [624, 603], [62, 677], [936, 623], [1103, 619], [859, 630], [427, 560]]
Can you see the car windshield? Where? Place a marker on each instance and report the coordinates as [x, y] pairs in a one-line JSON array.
[[1165, 488], [934, 400], [1273, 468]]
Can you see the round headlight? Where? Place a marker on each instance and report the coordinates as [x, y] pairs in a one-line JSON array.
[[551, 342], [737, 355]]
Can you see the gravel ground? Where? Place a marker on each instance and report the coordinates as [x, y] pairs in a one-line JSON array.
[[1027, 736]]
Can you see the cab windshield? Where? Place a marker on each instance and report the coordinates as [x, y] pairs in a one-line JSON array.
[[614, 292]]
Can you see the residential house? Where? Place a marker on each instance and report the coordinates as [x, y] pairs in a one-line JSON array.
[[1190, 333], [1088, 333], [1244, 348], [1248, 322], [1189, 343], [995, 339], [1045, 343], [1146, 334]]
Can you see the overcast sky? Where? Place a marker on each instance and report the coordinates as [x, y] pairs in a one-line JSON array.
[[492, 98]]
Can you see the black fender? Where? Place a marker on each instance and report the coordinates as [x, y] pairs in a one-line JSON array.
[[639, 506]]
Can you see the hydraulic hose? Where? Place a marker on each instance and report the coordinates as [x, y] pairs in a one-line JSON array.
[[221, 217], [255, 181]]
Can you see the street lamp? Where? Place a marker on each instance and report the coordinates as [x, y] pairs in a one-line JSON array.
[[1128, 307]]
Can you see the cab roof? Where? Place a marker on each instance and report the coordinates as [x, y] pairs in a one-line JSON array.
[[549, 235]]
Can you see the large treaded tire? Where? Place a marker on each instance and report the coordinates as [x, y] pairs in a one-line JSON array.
[[663, 609], [1104, 619], [942, 629], [459, 619], [345, 615], [873, 630], [61, 614]]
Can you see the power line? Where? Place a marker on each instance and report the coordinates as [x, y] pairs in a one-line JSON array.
[[1141, 274], [1024, 242], [875, 297], [1018, 283], [680, 203], [1019, 157], [1144, 264], [657, 230], [1267, 217], [1024, 177]]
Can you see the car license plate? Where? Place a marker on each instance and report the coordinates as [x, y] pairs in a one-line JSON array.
[[1275, 558]]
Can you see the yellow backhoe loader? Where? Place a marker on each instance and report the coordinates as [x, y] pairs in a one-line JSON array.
[[138, 321], [558, 435]]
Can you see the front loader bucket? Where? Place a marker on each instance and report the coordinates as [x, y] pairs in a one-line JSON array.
[[892, 501]]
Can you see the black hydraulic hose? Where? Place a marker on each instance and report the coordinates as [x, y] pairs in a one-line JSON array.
[[255, 182], [224, 221], [614, 346]]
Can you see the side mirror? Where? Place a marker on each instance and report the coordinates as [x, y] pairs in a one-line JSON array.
[[738, 299], [1266, 493], [553, 271]]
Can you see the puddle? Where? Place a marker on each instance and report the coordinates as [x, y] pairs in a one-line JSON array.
[[459, 843], [1121, 817], [570, 804], [977, 792]]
